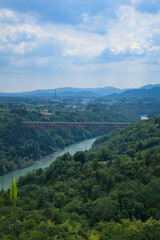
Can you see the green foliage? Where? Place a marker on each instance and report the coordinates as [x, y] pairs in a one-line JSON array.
[[110, 192], [79, 156], [13, 192], [1, 204], [21, 146], [130, 230]]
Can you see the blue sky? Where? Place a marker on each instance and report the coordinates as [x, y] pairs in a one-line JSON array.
[[78, 43]]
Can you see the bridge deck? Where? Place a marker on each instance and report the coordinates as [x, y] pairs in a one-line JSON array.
[[88, 125], [75, 123]]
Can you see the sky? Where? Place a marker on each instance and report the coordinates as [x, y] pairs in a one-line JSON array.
[[78, 43]]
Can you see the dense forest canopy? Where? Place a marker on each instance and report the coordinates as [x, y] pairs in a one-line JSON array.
[[109, 192], [21, 146]]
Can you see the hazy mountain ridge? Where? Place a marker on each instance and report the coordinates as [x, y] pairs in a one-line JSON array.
[[149, 86], [138, 93], [145, 91], [66, 92]]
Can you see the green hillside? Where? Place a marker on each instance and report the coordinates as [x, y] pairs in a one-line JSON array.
[[110, 192], [21, 146]]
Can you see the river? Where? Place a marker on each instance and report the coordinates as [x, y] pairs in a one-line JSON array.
[[144, 117], [6, 180]]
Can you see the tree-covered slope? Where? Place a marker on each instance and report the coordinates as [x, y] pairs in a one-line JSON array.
[[138, 93], [21, 146], [138, 139], [109, 192]]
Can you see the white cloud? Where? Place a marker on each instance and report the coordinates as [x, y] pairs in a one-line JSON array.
[[7, 15], [135, 1], [23, 37], [130, 32]]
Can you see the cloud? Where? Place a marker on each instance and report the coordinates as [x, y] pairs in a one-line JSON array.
[[61, 11], [19, 37], [135, 1], [130, 31], [126, 42]]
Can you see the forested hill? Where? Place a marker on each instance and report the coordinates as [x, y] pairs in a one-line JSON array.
[[110, 192], [20, 146], [140, 93], [138, 139], [66, 92]]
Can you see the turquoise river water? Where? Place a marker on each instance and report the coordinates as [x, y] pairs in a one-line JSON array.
[[6, 180]]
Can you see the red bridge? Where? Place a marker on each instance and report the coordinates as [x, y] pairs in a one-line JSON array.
[[88, 125]]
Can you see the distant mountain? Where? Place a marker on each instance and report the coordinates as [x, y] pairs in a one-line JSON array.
[[149, 86], [81, 94], [87, 92], [145, 91], [138, 93], [66, 92]]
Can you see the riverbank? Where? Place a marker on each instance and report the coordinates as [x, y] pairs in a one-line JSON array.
[[44, 162]]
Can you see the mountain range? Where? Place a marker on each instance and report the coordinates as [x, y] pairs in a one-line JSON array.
[[109, 92], [66, 92], [140, 93]]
